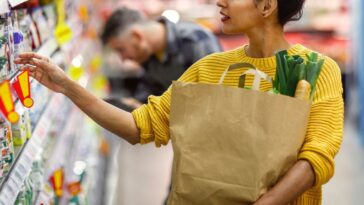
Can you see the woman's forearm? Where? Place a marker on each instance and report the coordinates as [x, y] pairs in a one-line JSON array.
[[108, 116], [298, 179]]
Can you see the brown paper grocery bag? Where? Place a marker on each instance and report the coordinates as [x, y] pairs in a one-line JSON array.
[[231, 144]]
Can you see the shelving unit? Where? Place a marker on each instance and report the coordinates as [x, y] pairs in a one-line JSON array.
[[56, 125], [25, 155], [22, 165]]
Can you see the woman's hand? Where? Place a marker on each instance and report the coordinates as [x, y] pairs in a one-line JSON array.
[[293, 184], [44, 71], [50, 75]]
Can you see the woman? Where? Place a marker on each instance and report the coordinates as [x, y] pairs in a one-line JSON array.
[[262, 21]]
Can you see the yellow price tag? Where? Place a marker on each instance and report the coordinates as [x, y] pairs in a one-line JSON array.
[[76, 72], [100, 82], [63, 32]]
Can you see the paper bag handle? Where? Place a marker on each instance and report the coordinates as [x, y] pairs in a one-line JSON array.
[[254, 71]]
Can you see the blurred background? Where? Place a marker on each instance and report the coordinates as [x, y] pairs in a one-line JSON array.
[[77, 162]]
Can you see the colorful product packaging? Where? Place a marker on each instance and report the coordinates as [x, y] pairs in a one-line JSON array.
[[21, 130], [4, 49], [6, 148]]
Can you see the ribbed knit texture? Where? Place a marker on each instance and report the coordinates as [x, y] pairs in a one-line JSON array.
[[325, 128]]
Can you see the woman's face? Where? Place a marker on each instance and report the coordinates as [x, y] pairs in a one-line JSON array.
[[239, 16]]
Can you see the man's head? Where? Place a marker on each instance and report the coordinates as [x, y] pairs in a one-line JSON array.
[[124, 32]]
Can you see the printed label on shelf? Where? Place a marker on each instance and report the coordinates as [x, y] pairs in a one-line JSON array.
[[14, 3], [4, 7], [12, 184]]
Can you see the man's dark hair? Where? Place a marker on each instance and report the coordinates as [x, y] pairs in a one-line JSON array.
[[120, 20]]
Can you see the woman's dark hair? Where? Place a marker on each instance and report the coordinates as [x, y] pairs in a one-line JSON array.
[[289, 10]]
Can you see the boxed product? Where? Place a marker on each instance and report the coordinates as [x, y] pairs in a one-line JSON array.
[[41, 24], [18, 37], [8, 34], [24, 23]]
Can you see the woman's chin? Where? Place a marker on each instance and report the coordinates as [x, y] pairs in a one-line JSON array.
[[230, 31]]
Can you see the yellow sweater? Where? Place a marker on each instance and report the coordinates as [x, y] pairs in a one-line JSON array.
[[325, 129]]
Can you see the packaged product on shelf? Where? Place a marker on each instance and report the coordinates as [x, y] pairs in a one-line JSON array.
[[20, 130], [24, 23], [4, 66], [45, 2], [18, 37], [24, 197], [34, 33], [10, 43], [42, 94], [28, 4], [7, 149], [32, 185], [41, 23], [28, 127], [50, 15]]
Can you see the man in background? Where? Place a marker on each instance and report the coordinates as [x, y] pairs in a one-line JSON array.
[[162, 48]]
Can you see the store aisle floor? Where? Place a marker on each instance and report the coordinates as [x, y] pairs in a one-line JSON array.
[[346, 188], [144, 174]]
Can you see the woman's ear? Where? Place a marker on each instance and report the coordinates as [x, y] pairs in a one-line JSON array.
[[267, 7]]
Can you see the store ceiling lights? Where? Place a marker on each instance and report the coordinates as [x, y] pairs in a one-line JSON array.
[[171, 15]]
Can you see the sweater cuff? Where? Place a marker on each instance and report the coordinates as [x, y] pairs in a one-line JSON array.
[[323, 166], [142, 121]]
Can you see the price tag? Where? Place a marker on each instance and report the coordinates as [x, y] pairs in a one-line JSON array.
[[13, 185], [4, 7], [14, 3], [62, 32]]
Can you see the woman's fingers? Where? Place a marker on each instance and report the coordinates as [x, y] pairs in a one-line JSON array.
[[30, 55], [21, 61], [28, 67], [34, 62], [45, 65], [37, 75]]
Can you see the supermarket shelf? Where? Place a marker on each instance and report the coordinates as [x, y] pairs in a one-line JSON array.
[[14, 75], [48, 47], [62, 152], [22, 166]]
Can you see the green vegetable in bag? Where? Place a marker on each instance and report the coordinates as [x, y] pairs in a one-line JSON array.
[[293, 69]]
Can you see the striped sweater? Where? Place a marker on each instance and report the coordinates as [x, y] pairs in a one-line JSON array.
[[325, 128]]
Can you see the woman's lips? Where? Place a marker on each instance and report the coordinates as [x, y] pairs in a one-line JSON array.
[[224, 17]]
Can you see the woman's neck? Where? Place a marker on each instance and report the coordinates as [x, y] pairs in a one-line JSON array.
[[265, 42]]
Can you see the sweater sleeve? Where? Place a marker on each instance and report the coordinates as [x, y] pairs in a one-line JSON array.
[[325, 127], [152, 119]]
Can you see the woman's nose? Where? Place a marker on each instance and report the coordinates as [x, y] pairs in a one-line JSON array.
[[221, 3]]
